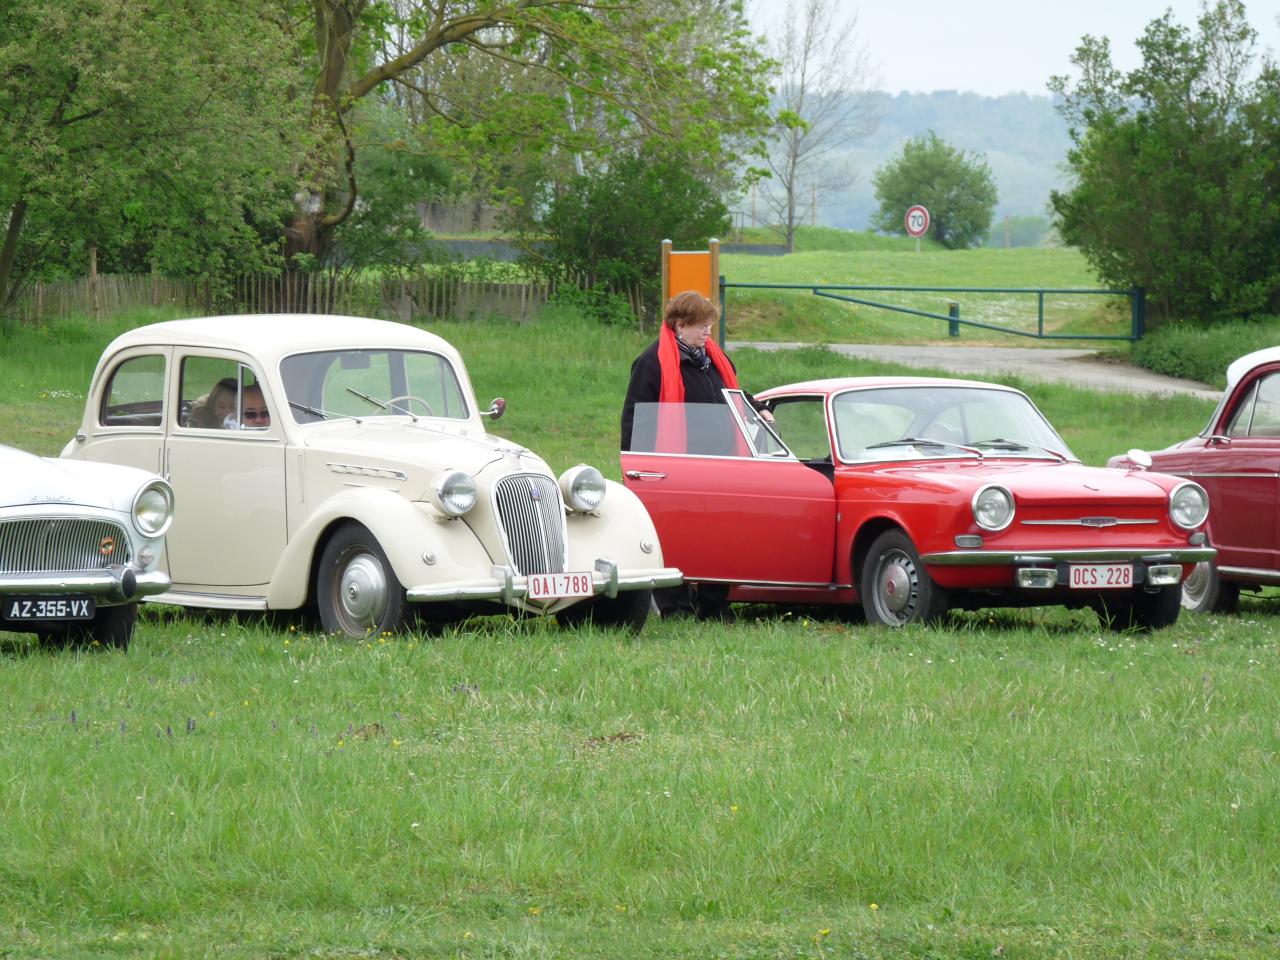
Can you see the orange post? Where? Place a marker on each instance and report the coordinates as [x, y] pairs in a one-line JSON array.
[[691, 270]]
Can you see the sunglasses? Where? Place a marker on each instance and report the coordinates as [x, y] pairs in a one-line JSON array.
[[256, 414]]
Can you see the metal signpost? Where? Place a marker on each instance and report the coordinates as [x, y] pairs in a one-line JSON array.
[[917, 223]]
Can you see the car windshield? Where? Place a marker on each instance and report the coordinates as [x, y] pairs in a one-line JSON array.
[[338, 384], [926, 422]]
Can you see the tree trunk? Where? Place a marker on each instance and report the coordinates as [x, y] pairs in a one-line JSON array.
[[9, 289]]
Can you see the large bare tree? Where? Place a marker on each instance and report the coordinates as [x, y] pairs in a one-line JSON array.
[[824, 101]]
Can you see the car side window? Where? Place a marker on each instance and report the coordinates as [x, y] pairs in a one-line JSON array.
[[218, 393], [802, 423], [135, 394], [1258, 414]]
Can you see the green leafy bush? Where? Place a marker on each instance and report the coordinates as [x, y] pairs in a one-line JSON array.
[[595, 304], [1203, 353]]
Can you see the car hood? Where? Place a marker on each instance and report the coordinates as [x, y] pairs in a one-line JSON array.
[[28, 480], [421, 450], [1043, 482]]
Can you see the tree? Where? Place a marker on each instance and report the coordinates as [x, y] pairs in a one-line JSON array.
[[824, 101], [1176, 167], [571, 73], [955, 187], [127, 124], [607, 226]]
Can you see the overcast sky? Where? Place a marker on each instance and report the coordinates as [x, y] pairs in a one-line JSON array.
[[994, 47]]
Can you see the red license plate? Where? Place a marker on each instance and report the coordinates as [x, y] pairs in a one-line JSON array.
[[1100, 576], [558, 586]]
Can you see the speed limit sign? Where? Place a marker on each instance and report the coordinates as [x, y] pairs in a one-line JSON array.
[[916, 221]]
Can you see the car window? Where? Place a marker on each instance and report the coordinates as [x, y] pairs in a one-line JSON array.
[[869, 424], [135, 395], [219, 393], [1258, 414], [802, 424], [700, 429], [372, 383]]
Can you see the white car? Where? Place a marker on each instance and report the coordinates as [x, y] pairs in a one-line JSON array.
[[342, 464], [80, 544]]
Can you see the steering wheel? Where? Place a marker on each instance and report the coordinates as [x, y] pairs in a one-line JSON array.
[[412, 399]]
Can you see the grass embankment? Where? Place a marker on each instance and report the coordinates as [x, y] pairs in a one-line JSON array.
[[1021, 784]]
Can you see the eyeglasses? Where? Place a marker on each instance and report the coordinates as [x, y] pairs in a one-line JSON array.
[[257, 414]]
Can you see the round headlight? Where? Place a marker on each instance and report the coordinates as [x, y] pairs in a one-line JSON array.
[[1188, 505], [583, 488], [454, 493], [153, 509], [993, 508]]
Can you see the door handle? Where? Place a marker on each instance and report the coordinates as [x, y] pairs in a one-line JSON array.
[[644, 475]]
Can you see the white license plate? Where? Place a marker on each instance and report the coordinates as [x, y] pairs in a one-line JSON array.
[[1100, 576], [48, 608], [558, 586]]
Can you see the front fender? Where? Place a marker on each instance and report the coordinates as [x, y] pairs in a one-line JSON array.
[[621, 531], [405, 530]]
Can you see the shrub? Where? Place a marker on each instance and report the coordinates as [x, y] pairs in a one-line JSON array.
[[1203, 353]]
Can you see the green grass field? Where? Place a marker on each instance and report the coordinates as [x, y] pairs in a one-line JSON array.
[[1022, 784]]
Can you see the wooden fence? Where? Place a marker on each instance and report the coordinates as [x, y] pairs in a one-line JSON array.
[[398, 299]]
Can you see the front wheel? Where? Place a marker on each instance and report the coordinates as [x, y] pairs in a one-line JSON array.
[[628, 610], [896, 590], [1204, 591], [110, 627], [356, 589]]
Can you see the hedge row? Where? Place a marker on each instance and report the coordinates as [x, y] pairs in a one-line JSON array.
[[1203, 353]]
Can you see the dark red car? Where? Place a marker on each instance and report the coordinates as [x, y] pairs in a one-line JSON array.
[[909, 496], [1236, 458]]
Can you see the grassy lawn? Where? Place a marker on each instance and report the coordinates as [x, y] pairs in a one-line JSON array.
[[1021, 784]]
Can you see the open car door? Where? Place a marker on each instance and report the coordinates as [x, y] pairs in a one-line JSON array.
[[729, 500]]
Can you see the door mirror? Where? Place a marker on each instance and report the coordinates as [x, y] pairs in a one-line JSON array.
[[496, 409]]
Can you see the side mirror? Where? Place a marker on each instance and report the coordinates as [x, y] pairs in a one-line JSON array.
[[496, 409], [1139, 458]]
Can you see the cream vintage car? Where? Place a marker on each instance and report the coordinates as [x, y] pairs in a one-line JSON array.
[[80, 545], [342, 464]]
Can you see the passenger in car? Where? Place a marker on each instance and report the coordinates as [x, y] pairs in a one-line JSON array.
[[254, 414], [212, 410]]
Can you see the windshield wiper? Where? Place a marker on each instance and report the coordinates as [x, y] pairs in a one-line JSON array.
[[321, 414], [1001, 443], [379, 404], [922, 442]]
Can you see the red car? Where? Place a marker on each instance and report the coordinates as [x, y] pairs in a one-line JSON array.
[[909, 496], [1236, 458]]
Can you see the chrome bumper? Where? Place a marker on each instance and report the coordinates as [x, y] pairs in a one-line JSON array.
[[508, 586], [993, 558], [117, 584]]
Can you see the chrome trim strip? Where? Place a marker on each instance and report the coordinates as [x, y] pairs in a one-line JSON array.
[[1257, 476], [708, 456], [766, 584], [1271, 576], [981, 558], [378, 473], [1111, 522], [212, 601]]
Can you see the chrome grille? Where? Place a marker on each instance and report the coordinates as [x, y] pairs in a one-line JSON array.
[[59, 545], [532, 520]]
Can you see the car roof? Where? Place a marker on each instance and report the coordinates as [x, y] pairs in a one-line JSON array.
[[272, 335], [1239, 367], [834, 385]]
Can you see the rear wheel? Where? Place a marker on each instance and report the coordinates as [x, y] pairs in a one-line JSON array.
[[628, 610], [895, 588], [1205, 592], [357, 592]]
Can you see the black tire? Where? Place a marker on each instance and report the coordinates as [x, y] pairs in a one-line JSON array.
[[111, 627], [628, 610], [1205, 592], [1142, 611], [357, 592], [894, 586]]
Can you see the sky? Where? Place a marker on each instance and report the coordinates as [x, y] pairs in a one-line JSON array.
[[994, 47]]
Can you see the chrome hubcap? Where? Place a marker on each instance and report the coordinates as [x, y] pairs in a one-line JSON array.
[[1194, 587], [362, 591], [898, 585]]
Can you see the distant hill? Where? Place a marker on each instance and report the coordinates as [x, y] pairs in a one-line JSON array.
[[1023, 138]]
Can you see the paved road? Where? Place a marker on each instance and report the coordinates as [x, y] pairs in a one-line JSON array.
[[1079, 367]]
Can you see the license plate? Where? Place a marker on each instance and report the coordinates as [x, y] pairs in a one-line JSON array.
[[48, 608], [558, 586], [1100, 576]]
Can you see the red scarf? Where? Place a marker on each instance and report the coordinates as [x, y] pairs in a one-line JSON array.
[[671, 425], [672, 390]]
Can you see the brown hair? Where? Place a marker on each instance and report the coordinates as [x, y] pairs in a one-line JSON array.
[[690, 307]]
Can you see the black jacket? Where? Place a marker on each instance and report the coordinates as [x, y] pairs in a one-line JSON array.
[[700, 386]]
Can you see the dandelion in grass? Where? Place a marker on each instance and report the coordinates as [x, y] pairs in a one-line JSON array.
[[822, 935], [468, 935], [535, 911], [874, 907]]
